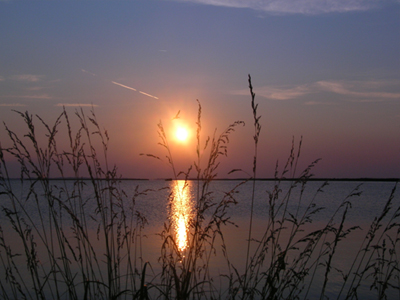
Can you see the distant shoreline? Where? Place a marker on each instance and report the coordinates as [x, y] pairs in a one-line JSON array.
[[298, 179], [231, 179]]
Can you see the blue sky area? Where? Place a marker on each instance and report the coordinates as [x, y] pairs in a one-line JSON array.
[[328, 71]]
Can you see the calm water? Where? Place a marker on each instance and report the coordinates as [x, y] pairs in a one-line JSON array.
[[364, 207], [156, 206]]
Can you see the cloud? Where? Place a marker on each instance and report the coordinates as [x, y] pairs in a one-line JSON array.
[[41, 96], [284, 94], [308, 7], [356, 91], [279, 93], [318, 103], [35, 88], [11, 104], [27, 77], [84, 71], [76, 105]]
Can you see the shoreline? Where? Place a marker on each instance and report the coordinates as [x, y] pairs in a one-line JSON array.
[[363, 179]]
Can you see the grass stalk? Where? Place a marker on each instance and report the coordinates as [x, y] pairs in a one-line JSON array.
[[81, 238]]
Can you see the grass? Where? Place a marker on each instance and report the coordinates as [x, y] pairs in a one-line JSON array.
[[82, 238]]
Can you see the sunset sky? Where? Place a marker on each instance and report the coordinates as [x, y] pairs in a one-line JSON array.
[[325, 70]]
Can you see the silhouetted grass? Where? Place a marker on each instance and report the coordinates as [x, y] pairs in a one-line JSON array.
[[82, 238]]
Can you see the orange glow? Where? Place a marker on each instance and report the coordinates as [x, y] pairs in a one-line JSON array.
[[182, 134], [181, 213]]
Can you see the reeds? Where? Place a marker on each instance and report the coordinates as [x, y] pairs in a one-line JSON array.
[[80, 236], [58, 227]]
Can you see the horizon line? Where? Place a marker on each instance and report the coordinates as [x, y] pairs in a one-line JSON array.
[[387, 179]]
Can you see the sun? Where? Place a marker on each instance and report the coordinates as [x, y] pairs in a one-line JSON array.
[[181, 134]]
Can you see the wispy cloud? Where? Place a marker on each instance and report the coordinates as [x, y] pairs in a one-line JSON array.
[[84, 71], [11, 104], [27, 86], [284, 93], [124, 86], [297, 6], [76, 105], [40, 96], [356, 91], [35, 88], [319, 103], [27, 77], [279, 93]]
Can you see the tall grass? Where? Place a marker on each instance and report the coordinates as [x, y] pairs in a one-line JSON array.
[[80, 237], [54, 223]]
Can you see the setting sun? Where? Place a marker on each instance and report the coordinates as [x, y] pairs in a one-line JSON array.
[[181, 134]]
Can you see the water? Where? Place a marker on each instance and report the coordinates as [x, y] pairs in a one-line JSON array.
[[161, 203]]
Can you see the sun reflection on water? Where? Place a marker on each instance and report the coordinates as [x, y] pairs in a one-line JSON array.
[[181, 211]]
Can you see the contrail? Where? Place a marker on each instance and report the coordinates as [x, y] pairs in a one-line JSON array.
[[148, 95], [131, 88], [127, 87], [122, 85]]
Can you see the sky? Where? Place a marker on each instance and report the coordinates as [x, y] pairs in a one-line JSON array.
[[326, 72]]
